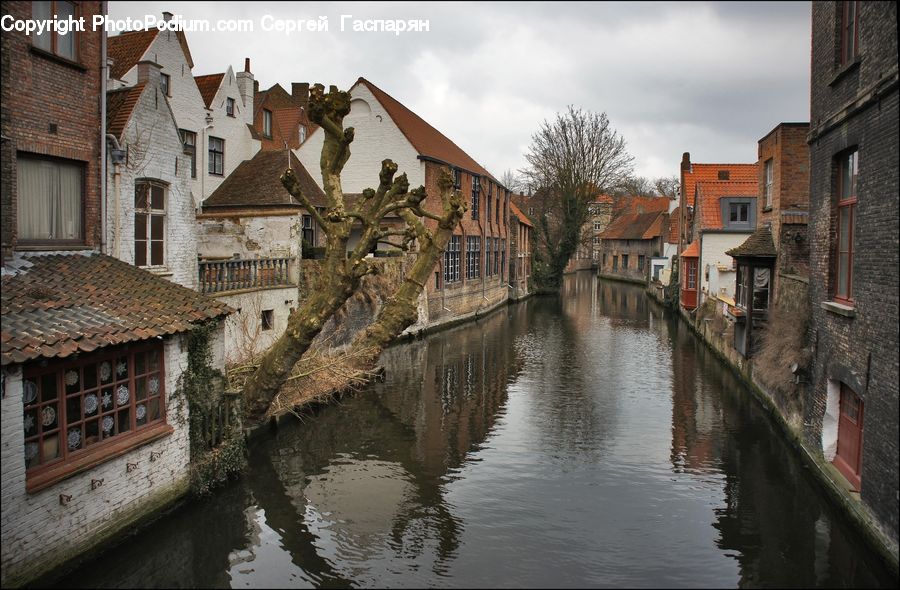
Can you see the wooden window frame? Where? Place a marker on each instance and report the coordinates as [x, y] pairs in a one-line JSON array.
[[190, 149], [845, 203], [70, 462], [849, 20], [451, 259], [150, 213], [56, 243], [476, 197], [229, 106], [54, 36], [473, 257], [213, 159]]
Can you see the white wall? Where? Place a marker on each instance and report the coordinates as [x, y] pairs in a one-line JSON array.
[[38, 533], [155, 152], [377, 138], [275, 236], [244, 336], [712, 255]]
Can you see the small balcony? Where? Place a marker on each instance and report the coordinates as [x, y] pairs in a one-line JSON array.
[[221, 276]]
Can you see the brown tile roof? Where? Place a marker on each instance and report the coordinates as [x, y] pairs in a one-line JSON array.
[[208, 86], [427, 140], [642, 226], [758, 245], [126, 49], [119, 107], [692, 251], [257, 182], [635, 205], [709, 193], [60, 303], [519, 215]]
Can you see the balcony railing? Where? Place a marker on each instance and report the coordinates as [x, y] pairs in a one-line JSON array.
[[235, 275]]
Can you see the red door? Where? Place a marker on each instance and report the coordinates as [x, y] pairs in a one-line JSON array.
[[850, 433]]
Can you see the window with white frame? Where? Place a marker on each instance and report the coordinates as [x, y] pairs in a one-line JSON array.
[[451, 259], [770, 182], [149, 223]]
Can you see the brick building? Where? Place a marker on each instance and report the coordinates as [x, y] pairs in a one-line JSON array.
[[629, 244], [853, 196], [92, 348], [280, 119], [520, 229], [472, 276]]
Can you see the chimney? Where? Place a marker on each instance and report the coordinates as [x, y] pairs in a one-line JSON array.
[[300, 93], [246, 86], [167, 16], [148, 71], [686, 161]]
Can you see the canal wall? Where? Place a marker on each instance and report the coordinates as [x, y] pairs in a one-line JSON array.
[[788, 415]]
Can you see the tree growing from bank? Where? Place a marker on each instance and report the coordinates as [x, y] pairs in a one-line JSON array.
[[571, 160], [342, 270]]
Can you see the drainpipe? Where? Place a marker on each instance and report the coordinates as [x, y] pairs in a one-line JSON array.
[[118, 156], [104, 74], [204, 170]]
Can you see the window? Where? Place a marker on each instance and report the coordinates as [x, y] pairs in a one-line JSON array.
[[164, 83], [216, 156], [487, 204], [497, 265], [690, 277], [615, 262], [451, 260], [849, 31], [267, 123], [72, 408], [604, 261], [267, 319], [189, 139], [476, 189], [309, 233], [497, 210], [488, 250], [149, 223], [640, 262], [473, 257], [50, 200], [531, 211], [770, 182], [457, 179], [598, 226], [624, 261], [502, 257], [739, 213], [229, 108], [848, 169], [65, 46], [724, 174], [302, 133]]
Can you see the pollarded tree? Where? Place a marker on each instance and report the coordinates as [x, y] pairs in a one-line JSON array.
[[572, 160], [343, 271]]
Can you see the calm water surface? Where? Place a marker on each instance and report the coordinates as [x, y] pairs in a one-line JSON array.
[[581, 441]]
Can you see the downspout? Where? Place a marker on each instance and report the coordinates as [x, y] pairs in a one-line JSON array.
[[104, 71], [117, 253]]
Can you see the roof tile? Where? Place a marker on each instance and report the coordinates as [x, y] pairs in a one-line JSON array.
[[257, 182]]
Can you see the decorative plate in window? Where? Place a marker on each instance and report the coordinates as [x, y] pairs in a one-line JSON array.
[[121, 368], [71, 378], [107, 423], [29, 422], [107, 399], [105, 371], [153, 385], [30, 393], [90, 403], [74, 439], [122, 395], [140, 411], [31, 450], [48, 415]]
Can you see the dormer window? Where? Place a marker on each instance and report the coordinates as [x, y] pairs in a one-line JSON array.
[[724, 174], [267, 123], [229, 107]]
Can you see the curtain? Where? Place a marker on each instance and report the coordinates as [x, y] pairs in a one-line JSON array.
[[49, 200]]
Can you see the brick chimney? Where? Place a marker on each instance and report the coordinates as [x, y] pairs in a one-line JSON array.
[[148, 71], [686, 161], [246, 86], [300, 93]]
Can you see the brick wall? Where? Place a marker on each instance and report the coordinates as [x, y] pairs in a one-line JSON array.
[[51, 107], [633, 249], [856, 106]]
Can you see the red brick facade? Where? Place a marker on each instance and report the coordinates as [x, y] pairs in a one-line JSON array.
[[65, 125]]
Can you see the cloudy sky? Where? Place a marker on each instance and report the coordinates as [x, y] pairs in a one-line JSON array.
[[708, 78]]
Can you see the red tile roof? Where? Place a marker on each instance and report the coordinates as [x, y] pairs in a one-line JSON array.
[[692, 251], [635, 205], [710, 173], [119, 107], [257, 182], [126, 49], [641, 226], [208, 86], [427, 140], [519, 215], [61, 303], [708, 196]]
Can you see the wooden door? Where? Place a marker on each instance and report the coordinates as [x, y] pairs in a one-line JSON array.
[[850, 434]]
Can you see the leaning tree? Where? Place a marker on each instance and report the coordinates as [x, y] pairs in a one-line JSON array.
[[571, 160], [343, 270]]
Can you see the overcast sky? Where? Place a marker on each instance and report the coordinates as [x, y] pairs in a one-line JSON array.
[[708, 78]]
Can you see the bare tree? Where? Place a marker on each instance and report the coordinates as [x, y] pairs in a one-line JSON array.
[[512, 181], [425, 232], [667, 186], [572, 159]]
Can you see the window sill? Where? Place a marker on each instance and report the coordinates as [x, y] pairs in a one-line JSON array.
[[838, 308], [58, 59], [92, 458], [844, 71], [160, 271]]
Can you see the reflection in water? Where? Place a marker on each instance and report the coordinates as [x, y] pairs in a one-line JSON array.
[[573, 441]]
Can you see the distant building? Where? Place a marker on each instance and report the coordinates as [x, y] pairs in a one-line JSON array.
[[281, 120], [520, 229], [629, 244], [851, 409]]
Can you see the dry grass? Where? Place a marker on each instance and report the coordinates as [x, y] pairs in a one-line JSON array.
[[782, 344]]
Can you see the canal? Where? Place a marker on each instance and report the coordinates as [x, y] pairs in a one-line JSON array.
[[586, 440]]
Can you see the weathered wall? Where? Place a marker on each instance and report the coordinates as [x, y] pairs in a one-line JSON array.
[[244, 336], [717, 274]]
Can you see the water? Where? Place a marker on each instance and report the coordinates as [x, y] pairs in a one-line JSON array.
[[581, 441]]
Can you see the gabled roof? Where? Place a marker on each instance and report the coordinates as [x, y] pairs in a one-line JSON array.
[[519, 215], [126, 49], [635, 205], [692, 251], [208, 86], [709, 211], [710, 173], [62, 303], [427, 140], [120, 106], [758, 245], [257, 183], [642, 226]]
